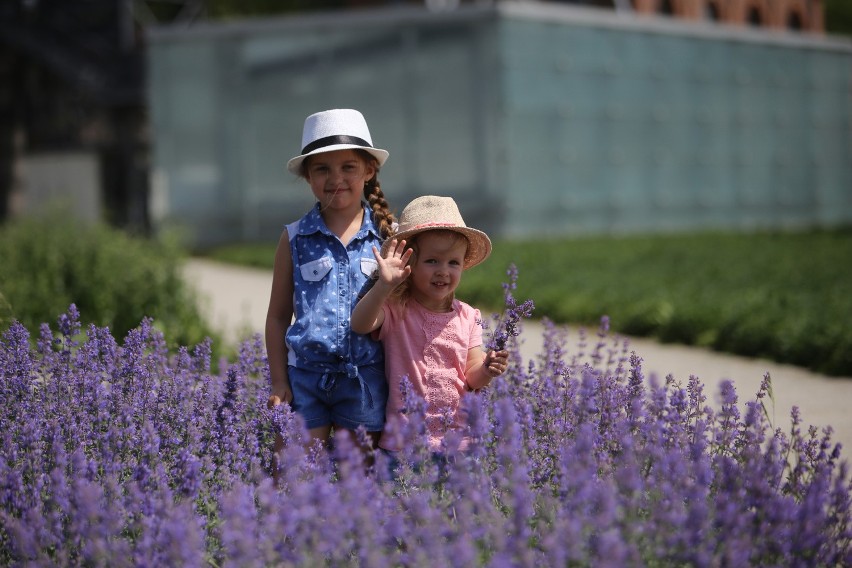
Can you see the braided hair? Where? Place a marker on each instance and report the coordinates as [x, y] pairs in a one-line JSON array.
[[382, 215]]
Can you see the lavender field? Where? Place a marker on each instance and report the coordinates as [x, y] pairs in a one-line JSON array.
[[122, 453]]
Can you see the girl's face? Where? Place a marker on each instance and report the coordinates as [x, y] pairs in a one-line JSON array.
[[337, 178], [437, 268]]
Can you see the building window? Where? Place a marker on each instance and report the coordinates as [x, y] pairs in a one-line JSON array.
[[711, 12], [597, 3], [755, 18], [666, 8], [794, 21]]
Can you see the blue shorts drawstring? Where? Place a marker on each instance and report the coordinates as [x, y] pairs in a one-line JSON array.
[[329, 380]]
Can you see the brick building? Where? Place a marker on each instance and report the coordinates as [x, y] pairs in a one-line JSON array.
[[805, 15], [794, 15]]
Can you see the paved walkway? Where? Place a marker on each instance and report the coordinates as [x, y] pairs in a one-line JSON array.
[[235, 300]]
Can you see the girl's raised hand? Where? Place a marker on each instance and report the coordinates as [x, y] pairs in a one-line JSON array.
[[393, 267]]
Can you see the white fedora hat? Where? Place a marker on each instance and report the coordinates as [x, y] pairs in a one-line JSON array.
[[336, 129], [432, 213]]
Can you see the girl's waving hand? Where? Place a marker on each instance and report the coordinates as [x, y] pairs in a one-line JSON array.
[[393, 267]]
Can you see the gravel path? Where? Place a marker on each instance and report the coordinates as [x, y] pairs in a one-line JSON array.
[[235, 300]]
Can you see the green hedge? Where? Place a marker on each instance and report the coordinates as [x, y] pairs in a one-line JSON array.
[[114, 279], [782, 296]]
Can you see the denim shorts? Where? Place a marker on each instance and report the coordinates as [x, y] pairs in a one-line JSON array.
[[335, 398]]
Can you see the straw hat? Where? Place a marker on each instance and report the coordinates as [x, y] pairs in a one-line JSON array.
[[431, 212], [336, 129]]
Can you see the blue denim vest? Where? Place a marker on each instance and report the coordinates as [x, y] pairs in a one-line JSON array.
[[328, 279]]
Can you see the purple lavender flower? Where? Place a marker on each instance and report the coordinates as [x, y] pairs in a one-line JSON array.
[[124, 453], [508, 324]]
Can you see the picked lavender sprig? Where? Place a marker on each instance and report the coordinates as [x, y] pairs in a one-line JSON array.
[[507, 324]]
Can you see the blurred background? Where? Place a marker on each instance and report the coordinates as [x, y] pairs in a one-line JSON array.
[[540, 118]]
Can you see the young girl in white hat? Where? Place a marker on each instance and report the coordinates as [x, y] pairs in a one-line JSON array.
[[332, 377], [429, 336]]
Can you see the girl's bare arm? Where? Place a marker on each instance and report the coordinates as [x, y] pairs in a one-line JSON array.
[[393, 270], [481, 368], [278, 318]]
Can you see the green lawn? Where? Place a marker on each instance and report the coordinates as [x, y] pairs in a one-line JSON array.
[[783, 296]]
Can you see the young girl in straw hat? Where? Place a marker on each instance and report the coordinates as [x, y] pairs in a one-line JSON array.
[[429, 336], [330, 376]]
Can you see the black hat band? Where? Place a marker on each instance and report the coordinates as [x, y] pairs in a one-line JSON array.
[[332, 140]]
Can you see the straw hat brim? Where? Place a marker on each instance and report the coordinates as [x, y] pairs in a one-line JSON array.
[[295, 164], [479, 245]]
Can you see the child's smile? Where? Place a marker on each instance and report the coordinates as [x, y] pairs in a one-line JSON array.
[[436, 273]]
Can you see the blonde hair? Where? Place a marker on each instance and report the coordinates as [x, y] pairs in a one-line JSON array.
[[382, 215], [402, 293]]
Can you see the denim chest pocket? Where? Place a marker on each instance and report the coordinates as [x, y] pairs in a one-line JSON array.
[[369, 266], [315, 270]]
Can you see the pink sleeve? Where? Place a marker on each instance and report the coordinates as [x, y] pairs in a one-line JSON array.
[[476, 330], [379, 334]]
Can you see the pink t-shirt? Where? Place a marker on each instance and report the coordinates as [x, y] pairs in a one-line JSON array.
[[431, 349]]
